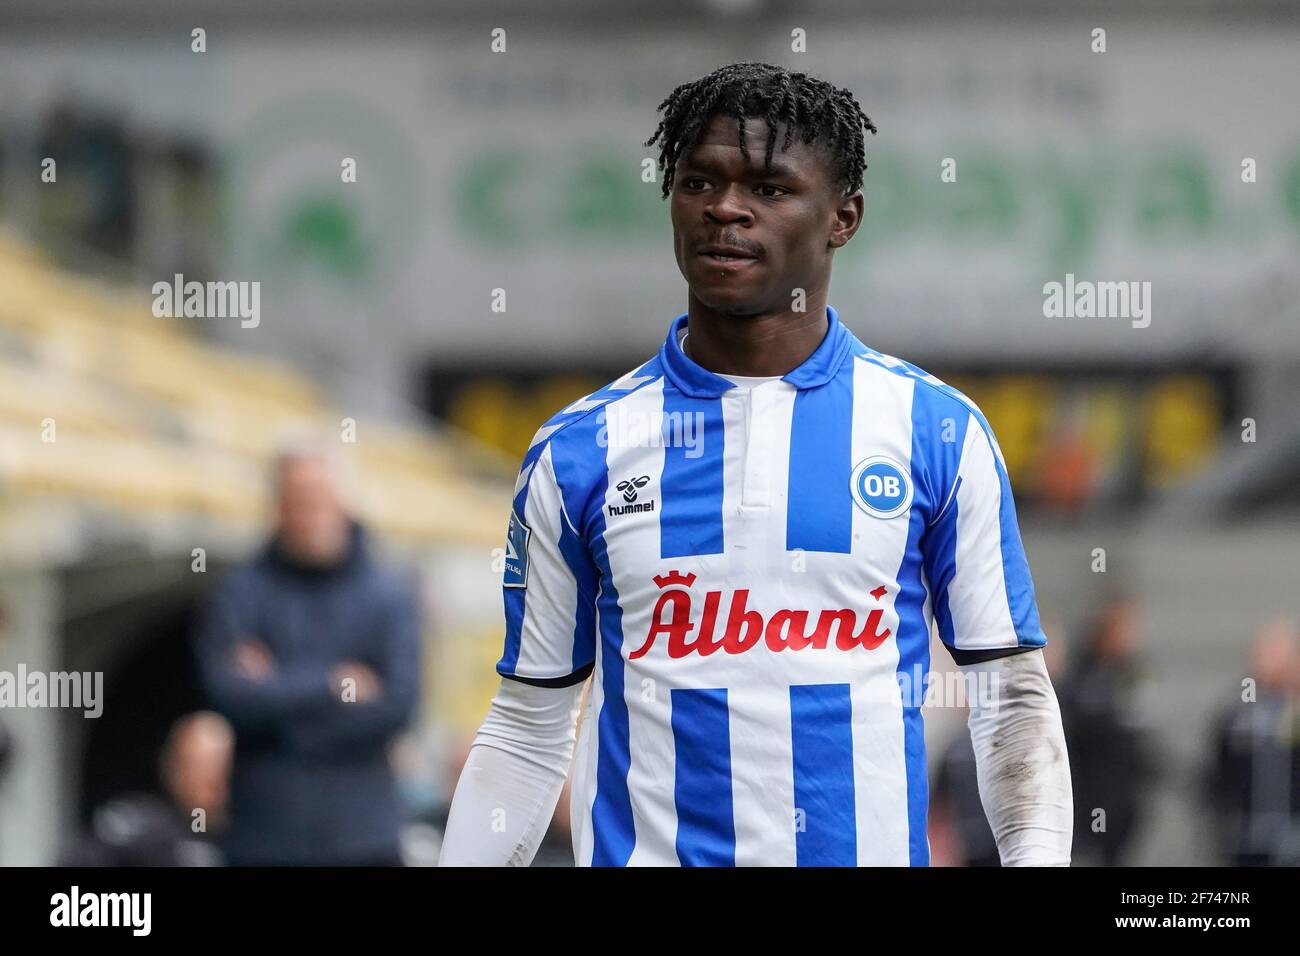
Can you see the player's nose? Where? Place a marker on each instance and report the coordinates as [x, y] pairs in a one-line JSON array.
[[727, 205]]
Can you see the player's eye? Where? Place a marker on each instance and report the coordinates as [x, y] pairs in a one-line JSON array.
[[781, 190], [687, 183]]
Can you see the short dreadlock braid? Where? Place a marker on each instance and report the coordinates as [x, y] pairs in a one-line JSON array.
[[796, 100]]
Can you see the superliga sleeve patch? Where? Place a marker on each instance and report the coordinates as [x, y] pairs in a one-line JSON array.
[[516, 563]]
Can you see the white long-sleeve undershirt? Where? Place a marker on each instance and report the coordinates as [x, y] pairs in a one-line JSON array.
[[1021, 761], [517, 764]]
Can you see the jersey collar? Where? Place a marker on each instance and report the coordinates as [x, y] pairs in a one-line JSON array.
[[698, 382]]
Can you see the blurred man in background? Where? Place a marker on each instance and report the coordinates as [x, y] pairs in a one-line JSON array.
[[1253, 779], [1108, 733], [144, 829], [312, 651]]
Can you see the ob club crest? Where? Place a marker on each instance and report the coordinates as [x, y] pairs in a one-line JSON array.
[[881, 487]]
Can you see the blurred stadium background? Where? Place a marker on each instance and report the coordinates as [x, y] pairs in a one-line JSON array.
[[522, 171]]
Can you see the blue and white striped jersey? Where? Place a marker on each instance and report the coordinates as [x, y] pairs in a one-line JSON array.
[[749, 574]]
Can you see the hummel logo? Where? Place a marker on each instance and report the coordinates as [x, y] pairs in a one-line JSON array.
[[629, 488]]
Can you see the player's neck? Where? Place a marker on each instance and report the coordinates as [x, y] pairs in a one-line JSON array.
[[753, 345]]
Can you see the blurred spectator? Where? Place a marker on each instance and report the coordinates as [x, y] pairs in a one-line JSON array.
[[142, 829], [312, 651], [1108, 735], [196, 767], [958, 807], [1253, 777]]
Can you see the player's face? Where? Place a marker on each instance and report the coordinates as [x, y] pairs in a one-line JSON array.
[[781, 222]]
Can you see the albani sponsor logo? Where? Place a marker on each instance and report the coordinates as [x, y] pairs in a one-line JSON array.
[[785, 630]]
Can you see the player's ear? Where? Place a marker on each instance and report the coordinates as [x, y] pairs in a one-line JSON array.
[[848, 217]]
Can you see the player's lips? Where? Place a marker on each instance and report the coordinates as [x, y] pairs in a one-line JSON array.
[[725, 255]]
